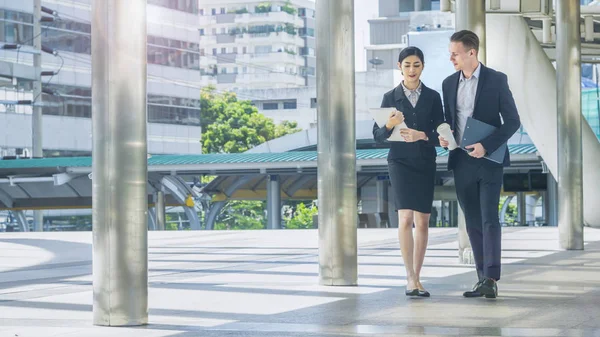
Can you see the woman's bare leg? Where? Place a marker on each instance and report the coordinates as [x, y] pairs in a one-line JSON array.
[[405, 236], [420, 243]]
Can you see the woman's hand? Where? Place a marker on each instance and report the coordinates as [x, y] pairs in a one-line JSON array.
[[412, 135], [396, 117]]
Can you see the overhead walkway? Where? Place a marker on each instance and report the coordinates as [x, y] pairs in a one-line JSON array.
[[532, 79]]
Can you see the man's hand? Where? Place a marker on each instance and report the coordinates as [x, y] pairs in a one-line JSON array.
[[478, 150], [411, 135], [443, 142]]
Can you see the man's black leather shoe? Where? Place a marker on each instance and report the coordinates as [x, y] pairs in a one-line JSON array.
[[488, 288], [475, 292]]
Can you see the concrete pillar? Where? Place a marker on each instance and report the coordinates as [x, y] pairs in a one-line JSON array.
[[418, 5], [119, 168], [547, 30], [36, 117], [570, 154], [470, 14], [445, 6], [465, 252], [443, 211], [38, 221], [521, 208], [589, 28], [336, 143], [382, 201], [273, 202], [382, 196], [551, 201], [159, 207]]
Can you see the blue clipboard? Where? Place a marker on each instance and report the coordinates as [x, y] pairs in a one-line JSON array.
[[475, 132]]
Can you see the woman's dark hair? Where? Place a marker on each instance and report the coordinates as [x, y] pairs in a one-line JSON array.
[[410, 51]]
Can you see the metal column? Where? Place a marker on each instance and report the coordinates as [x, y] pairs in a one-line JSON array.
[[119, 167], [381, 203], [521, 208], [336, 143], [570, 154], [589, 28], [470, 14], [547, 30], [382, 196], [36, 118], [552, 201], [465, 252], [273, 202], [160, 211], [418, 5]]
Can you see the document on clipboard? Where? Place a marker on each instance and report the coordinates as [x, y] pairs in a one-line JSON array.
[[381, 116], [475, 132]]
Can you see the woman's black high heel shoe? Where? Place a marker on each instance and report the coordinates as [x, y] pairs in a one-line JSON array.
[[412, 292], [423, 293]]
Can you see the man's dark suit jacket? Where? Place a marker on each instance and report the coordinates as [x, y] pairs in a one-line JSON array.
[[425, 116], [493, 99]]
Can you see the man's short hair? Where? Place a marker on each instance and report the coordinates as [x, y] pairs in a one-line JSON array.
[[468, 39]]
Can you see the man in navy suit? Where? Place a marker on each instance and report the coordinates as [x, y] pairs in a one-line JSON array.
[[483, 94]]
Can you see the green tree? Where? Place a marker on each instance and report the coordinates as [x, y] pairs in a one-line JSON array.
[[511, 214], [242, 215], [301, 217], [230, 125], [288, 8]]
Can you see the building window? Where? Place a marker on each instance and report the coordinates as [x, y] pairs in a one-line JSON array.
[[235, 50], [213, 11], [270, 106], [173, 53], [235, 70], [263, 49], [201, 31], [244, 50], [173, 110], [245, 69], [289, 105], [201, 11], [77, 101], [313, 103], [214, 51], [189, 6], [214, 31], [306, 32], [223, 50], [307, 51], [223, 10], [223, 70]]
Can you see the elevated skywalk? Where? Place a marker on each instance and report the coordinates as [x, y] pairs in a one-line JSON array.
[[513, 49]]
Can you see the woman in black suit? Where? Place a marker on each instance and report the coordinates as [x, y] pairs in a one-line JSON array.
[[411, 163]]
